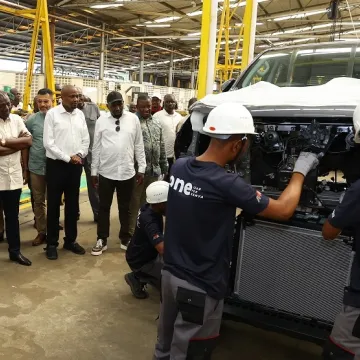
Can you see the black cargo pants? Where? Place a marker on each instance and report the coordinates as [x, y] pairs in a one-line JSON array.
[[189, 322]]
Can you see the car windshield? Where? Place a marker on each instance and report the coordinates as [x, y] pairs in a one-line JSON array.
[[299, 67]]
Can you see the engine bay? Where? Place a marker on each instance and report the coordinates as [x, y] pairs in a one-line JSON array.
[[269, 162], [274, 150]]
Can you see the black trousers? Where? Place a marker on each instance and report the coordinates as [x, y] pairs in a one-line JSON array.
[[10, 200], [170, 162], [62, 177], [124, 190]]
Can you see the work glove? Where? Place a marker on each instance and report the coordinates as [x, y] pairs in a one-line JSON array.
[[305, 163]]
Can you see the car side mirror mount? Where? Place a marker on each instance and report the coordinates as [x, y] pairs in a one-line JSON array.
[[227, 85]]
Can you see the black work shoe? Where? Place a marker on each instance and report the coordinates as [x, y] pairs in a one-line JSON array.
[[2, 236], [20, 259], [75, 248], [51, 252], [136, 286]]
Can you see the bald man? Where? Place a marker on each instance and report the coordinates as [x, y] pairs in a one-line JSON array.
[[66, 141]]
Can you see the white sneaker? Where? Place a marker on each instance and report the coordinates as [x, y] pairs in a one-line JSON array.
[[124, 245], [100, 246]]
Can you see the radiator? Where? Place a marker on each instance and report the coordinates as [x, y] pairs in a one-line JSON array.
[[292, 270]]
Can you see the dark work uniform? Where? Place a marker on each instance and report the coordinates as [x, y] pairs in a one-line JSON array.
[[141, 254], [199, 230], [345, 337]]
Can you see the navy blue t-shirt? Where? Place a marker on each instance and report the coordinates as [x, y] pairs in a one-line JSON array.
[[347, 215], [148, 233], [200, 218]]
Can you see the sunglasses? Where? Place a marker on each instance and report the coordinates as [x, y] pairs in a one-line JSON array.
[[117, 122]]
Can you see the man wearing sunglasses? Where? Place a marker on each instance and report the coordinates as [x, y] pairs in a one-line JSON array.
[[118, 143]]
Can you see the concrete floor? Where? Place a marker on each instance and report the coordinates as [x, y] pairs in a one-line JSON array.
[[80, 308]]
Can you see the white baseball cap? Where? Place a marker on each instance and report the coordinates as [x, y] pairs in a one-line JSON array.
[[156, 95]]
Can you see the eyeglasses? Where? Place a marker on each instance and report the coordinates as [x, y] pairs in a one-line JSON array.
[[117, 122]]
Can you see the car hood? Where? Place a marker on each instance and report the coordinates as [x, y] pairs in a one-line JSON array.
[[337, 98]]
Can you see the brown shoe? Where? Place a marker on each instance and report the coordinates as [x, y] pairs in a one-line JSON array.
[[40, 239]]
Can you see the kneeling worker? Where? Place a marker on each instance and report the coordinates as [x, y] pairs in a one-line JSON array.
[[200, 217], [144, 253], [344, 341]]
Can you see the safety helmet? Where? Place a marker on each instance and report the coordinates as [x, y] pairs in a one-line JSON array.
[[157, 192], [229, 119], [356, 121]]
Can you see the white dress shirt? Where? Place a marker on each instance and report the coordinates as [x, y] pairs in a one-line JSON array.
[[113, 151], [65, 134], [10, 165], [168, 123]]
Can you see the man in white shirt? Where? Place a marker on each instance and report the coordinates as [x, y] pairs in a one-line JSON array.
[[169, 120], [66, 141], [13, 138], [118, 137], [16, 99]]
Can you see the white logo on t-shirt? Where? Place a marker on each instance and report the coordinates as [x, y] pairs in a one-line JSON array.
[[187, 189]]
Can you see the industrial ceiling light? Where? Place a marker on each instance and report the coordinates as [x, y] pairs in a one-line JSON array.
[[105, 6], [167, 19], [157, 25], [299, 15]]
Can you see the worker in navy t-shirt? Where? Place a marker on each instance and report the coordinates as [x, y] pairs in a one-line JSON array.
[[145, 250], [200, 215], [344, 341]]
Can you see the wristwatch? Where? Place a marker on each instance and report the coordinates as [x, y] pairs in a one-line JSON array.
[[3, 142]]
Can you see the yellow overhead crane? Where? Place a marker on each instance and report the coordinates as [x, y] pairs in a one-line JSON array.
[[40, 16]]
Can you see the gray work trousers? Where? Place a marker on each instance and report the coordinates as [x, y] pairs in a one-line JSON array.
[[189, 322], [92, 192], [150, 273], [344, 342]]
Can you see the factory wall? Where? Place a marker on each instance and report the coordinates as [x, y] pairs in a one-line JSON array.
[[97, 90]]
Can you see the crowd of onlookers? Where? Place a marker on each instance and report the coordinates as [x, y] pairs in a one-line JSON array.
[[124, 149]]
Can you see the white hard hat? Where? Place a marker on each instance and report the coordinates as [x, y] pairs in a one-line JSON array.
[[356, 121], [156, 95], [229, 119], [157, 192]]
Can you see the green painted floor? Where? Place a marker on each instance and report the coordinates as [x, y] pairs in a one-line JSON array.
[[25, 195]]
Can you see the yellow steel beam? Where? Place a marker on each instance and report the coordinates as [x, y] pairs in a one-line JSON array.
[[34, 41], [223, 67], [247, 25], [204, 48], [236, 53], [41, 20], [48, 49], [220, 34], [26, 14]]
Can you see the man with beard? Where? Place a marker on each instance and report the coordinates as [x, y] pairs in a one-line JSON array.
[[156, 162], [66, 140], [169, 120], [200, 213], [118, 142], [35, 162], [13, 138]]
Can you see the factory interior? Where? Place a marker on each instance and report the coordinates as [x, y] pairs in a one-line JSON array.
[[292, 65]]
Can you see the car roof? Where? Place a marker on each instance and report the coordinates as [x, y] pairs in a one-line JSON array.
[[336, 44]]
